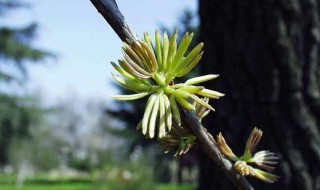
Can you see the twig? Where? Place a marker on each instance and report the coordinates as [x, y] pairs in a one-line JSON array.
[[111, 13], [208, 144], [109, 10]]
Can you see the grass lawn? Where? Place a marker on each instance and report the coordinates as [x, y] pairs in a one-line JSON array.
[[41, 183], [49, 187], [175, 187], [83, 186]]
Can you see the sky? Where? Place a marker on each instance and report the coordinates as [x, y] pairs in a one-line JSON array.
[[85, 44]]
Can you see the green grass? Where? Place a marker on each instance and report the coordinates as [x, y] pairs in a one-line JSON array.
[[175, 187], [7, 179], [82, 186], [48, 187], [7, 182]]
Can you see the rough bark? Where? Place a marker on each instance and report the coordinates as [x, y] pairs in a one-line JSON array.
[[267, 53]]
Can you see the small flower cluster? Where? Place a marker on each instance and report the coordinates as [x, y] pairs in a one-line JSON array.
[[180, 137], [263, 159], [149, 69]]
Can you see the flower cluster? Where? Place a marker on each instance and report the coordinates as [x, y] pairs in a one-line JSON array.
[[180, 137], [263, 159], [150, 69]]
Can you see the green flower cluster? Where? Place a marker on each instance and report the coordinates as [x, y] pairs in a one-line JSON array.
[[150, 69], [180, 137], [263, 159]]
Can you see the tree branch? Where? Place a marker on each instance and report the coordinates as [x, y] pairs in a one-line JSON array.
[[209, 145], [109, 10]]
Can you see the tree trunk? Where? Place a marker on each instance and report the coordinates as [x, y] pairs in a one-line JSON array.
[[267, 52]]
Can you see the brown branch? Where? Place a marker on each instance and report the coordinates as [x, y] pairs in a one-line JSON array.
[[208, 144], [109, 10]]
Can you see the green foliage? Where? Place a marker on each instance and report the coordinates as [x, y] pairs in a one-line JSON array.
[[15, 49], [17, 115], [81, 164]]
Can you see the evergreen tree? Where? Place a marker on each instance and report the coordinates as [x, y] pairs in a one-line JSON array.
[[17, 113]]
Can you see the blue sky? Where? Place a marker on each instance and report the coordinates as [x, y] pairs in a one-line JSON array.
[[85, 44]]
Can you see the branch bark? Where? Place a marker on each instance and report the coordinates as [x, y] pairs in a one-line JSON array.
[[109, 10], [209, 146], [111, 13]]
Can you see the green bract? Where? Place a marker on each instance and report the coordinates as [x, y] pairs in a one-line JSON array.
[[149, 68], [180, 138], [263, 159]]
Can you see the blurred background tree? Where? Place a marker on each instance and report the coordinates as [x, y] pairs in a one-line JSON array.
[[17, 113], [267, 53]]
